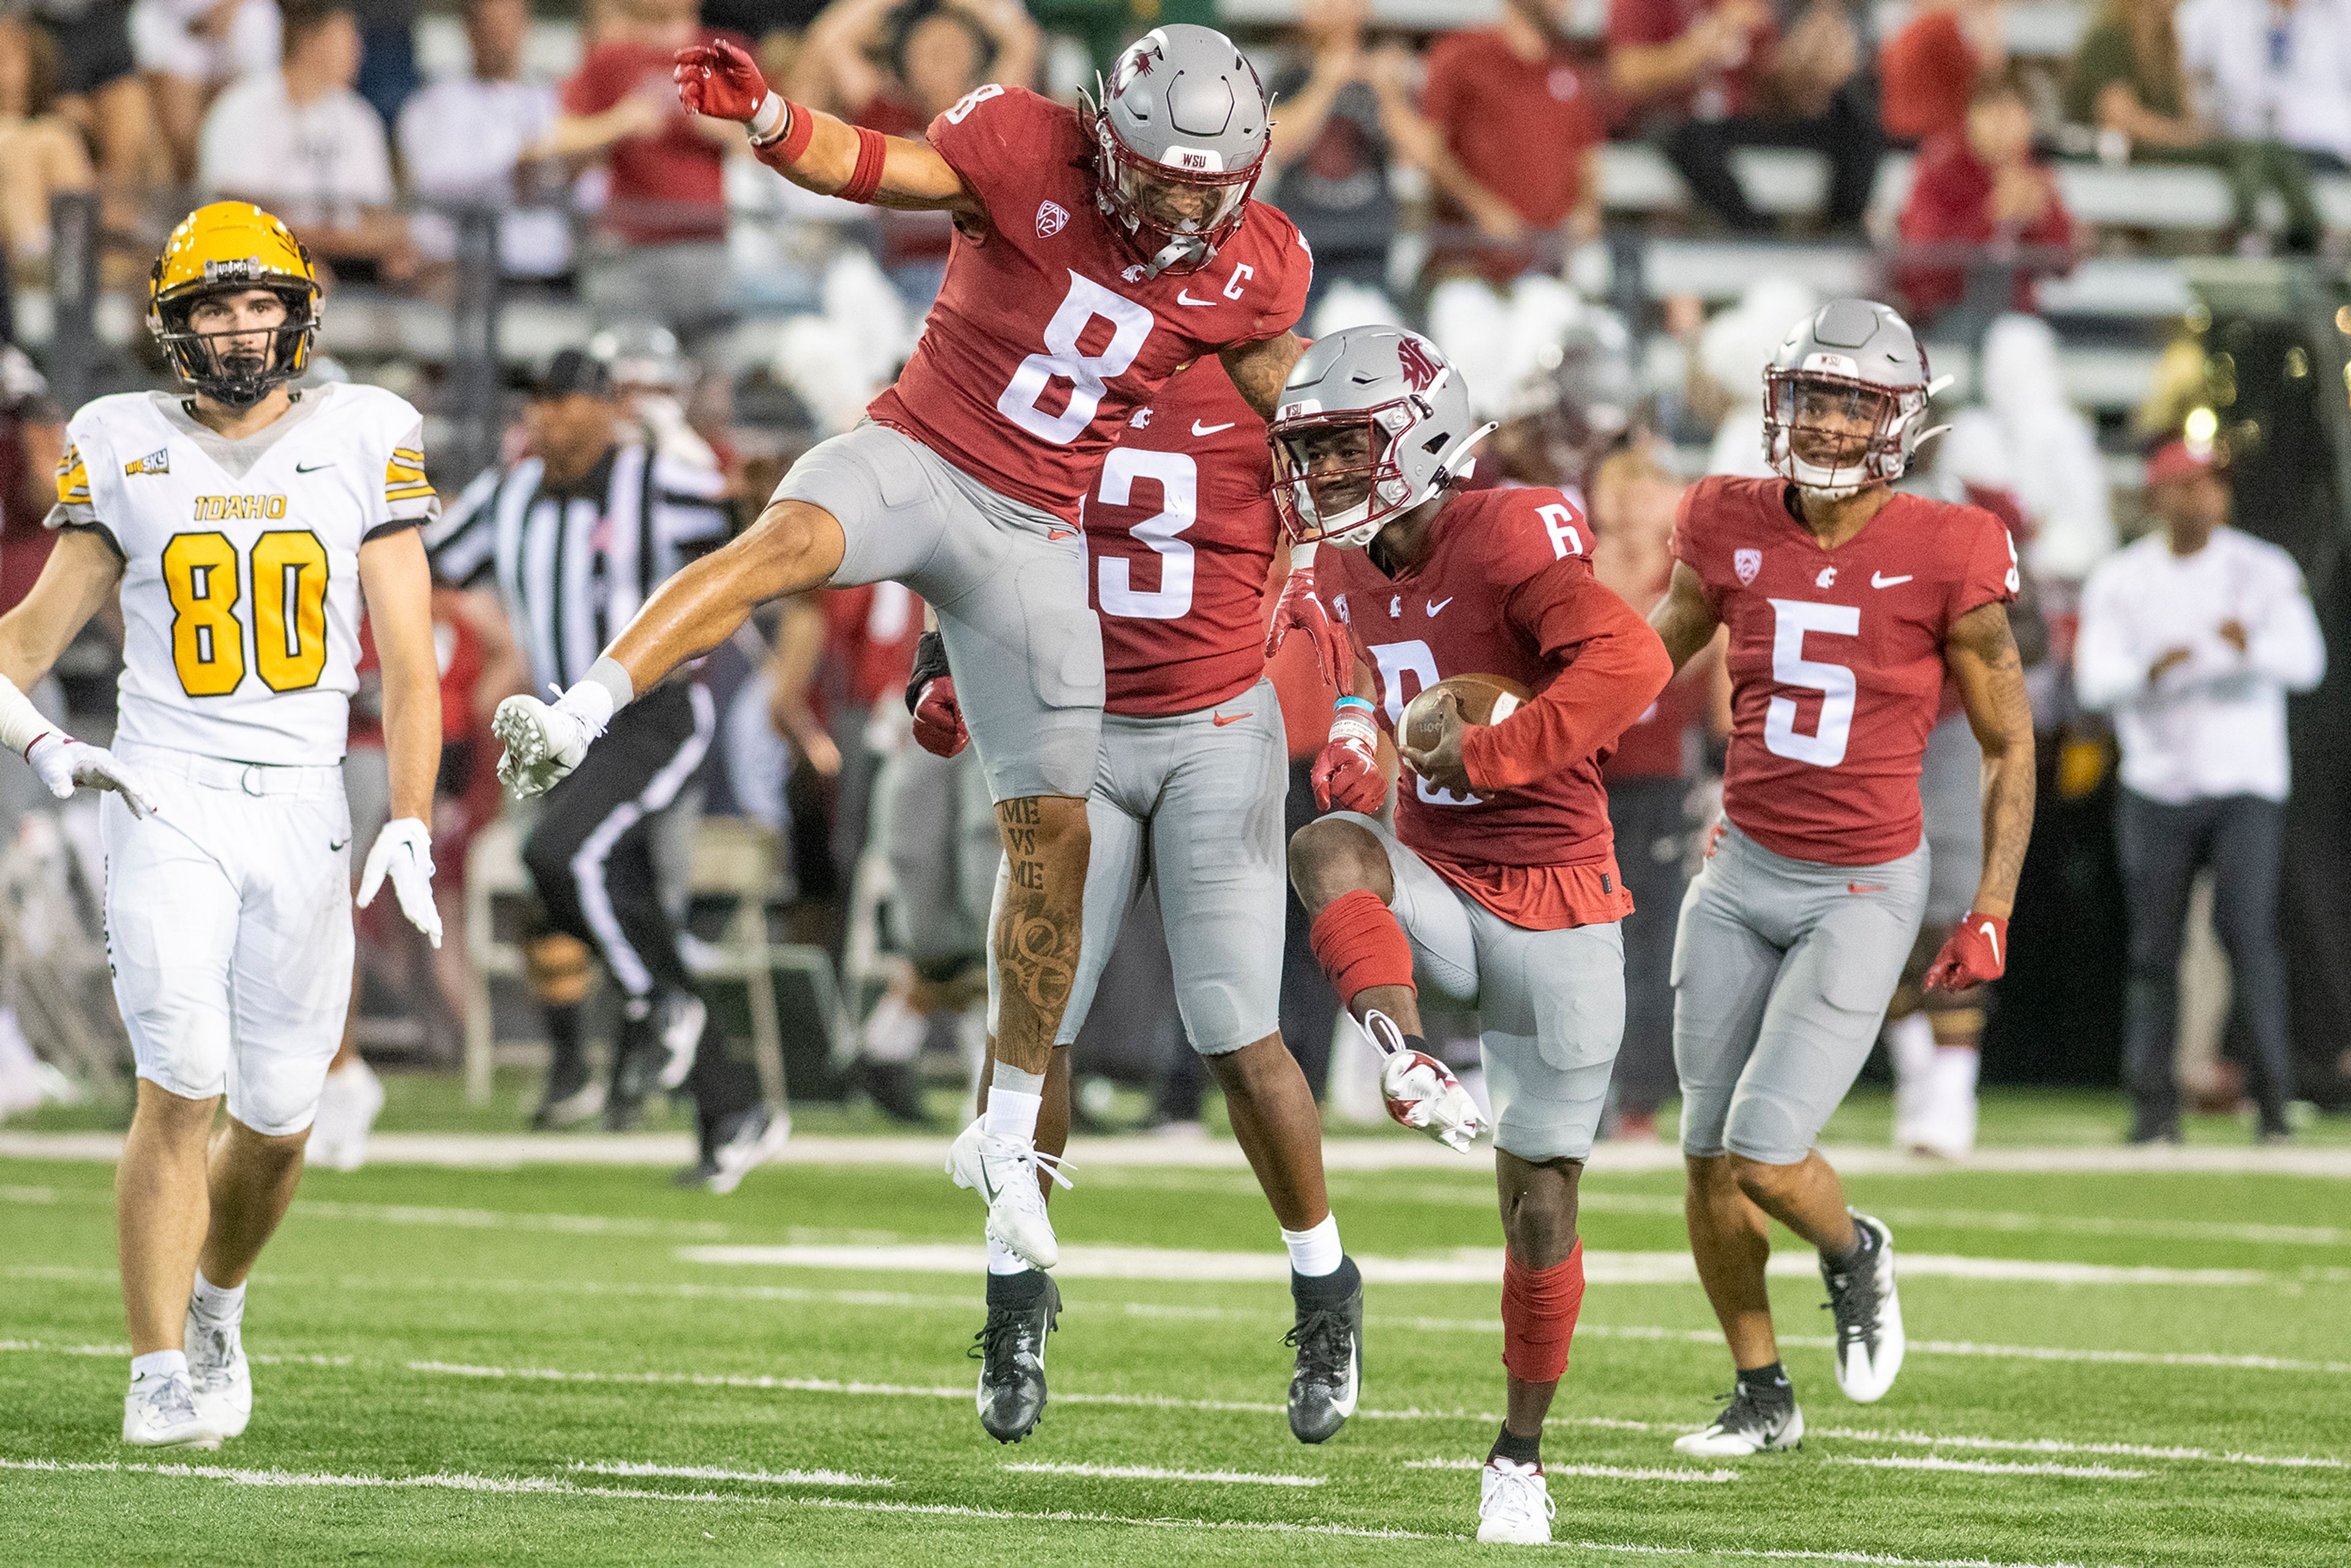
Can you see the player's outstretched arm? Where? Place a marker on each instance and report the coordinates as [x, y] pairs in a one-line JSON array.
[[1683, 620], [813, 149], [1259, 369], [1981, 652], [397, 583]]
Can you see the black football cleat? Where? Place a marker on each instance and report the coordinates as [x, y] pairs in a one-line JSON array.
[[1329, 1338], [1022, 1309]]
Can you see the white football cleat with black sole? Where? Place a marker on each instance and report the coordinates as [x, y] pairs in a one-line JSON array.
[[1003, 1171], [160, 1412], [1746, 1427], [1869, 1338], [1514, 1506]]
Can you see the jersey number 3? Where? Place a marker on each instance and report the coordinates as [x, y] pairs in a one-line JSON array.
[[289, 612], [1179, 509]]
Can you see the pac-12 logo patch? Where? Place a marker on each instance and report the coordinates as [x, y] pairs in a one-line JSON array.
[[1339, 604], [1051, 219], [1746, 563]]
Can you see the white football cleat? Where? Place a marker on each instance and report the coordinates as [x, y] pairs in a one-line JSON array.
[[218, 1374], [161, 1412], [544, 742], [348, 1107], [1514, 1506], [1869, 1337], [1003, 1171]]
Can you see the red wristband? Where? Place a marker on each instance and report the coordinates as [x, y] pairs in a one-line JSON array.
[[873, 147], [796, 134]]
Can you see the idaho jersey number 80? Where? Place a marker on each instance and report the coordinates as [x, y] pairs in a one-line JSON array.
[[240, 574]]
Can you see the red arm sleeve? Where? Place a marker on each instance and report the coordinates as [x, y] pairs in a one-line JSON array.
[[1615, 669]]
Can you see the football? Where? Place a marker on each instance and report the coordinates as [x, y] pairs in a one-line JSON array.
[[1484, 699]]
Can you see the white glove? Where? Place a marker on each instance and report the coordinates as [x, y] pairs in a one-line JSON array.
[[1421, 1091], [63, 762], [404, 852], [544, 742]]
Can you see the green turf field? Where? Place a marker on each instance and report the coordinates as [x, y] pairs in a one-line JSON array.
[[558, 1365]]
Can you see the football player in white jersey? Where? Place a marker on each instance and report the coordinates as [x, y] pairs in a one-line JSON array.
[[244, 522]]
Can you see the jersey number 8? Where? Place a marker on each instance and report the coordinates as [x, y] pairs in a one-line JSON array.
[[288, 572]]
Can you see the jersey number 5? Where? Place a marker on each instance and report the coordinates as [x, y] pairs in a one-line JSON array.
[[1089, 375], [289, 612], [1179, 509], [1824, 747]]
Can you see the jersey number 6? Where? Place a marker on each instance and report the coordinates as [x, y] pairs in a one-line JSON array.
[[290, 594]]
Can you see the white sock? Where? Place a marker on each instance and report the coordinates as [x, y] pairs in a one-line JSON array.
[[218, 1301], [1909, 1047], [1012, 1114], [1002, 1260], [1315, 1252], [894, 1032], [159, 1363]]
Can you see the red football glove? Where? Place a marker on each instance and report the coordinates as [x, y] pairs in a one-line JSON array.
[[720, 80], [1976, 952], [1347, 774], [1299, 610], [938, 719]]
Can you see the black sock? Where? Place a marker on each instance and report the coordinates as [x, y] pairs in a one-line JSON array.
[[1015, 1290], [1766, 1385], [1414, 1042], [1327, 1290], [1519, 1451], [562, 1038]]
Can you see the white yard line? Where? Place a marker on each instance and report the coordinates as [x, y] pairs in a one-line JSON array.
[[712, 1473], [460, 1481], [40, 1347], [1370, 1151], [1155, 1473], [1987, 1467], [1465, 1266], [1607, 1472]]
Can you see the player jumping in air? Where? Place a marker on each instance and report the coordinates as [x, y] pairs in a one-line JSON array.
[[1095, 253], [1189, 793], [1499, 888], [244, 524], [1847, 603]]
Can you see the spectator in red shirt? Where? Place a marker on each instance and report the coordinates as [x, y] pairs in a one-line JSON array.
[[1710, 76], [1519, 132], [1983, 186], [895, 66], [1929, 70], [662, 242]]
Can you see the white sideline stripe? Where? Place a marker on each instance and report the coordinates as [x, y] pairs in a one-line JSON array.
[[1466, 1266], [466, 1482], [1987, 1467], [1608, 1472], [1169, 1402], [28, 1195], [123, 1352], [1371, 1151], [1155, 1473], [500, 1220], [712, 1473]]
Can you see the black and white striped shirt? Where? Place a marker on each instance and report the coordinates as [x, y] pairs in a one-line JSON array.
[[575, 563]]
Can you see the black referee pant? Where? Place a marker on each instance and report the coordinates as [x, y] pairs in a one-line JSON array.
[[2242, 839], [590, 857]]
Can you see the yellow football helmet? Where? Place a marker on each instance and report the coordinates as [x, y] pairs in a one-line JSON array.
[[232, 245]]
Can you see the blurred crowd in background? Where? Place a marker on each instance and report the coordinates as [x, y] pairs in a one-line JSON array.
[[1608, 214]]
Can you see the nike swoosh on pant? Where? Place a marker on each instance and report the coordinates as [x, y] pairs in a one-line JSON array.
[[1222, 719], [1865, 887]]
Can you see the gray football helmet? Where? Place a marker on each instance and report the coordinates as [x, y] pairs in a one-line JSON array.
[[1181, 137], [1372, 423], [1845, 399]]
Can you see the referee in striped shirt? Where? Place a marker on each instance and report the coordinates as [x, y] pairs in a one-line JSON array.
[[573, 538]]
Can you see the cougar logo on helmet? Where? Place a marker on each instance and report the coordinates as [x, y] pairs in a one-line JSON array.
[[1420, 371]]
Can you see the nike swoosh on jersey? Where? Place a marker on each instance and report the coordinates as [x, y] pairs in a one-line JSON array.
[[1879, 579], [1199, 429], [1222, 719], [1437, 604], [334, 847], [1184, 296], [310, 468]]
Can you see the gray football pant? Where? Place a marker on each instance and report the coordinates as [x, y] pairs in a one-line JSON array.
[[1008, 583], [1193, 802], [1550, 1004], [1782, 970]]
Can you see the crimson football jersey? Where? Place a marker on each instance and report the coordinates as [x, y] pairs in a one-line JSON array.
[[1180, 543], [1046, 335], [1835, 657], [1506, 589]]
